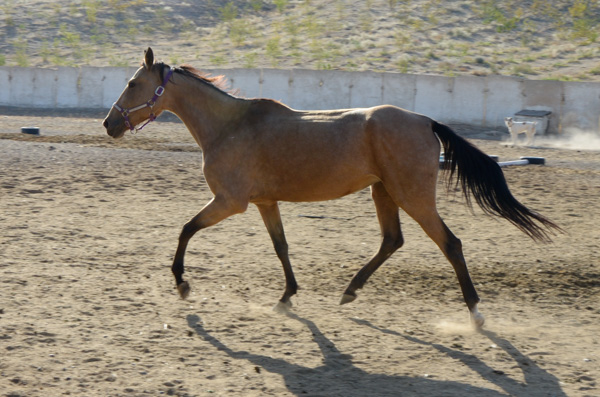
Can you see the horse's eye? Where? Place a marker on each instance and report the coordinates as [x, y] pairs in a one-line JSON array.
[[131, 84]]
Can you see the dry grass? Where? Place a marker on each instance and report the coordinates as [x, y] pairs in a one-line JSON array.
[[536, 39]]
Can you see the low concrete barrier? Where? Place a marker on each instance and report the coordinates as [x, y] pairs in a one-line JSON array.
[[471, 100]]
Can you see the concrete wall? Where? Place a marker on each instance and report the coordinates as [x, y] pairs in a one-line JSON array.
[[473, 100]]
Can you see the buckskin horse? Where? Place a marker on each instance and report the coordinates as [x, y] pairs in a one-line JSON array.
[[260, 151]]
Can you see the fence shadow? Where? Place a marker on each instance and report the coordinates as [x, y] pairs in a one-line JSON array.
[[338, 376]]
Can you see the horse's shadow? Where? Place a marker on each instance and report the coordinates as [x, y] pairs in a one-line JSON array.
[[537, 382], [337, 376]]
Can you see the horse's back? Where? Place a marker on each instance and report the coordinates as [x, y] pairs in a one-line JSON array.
[[354, 140]]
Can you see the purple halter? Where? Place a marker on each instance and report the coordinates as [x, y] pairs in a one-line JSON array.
[[150, 104]]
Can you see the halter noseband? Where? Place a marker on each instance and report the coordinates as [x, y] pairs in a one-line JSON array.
[[150, 104]]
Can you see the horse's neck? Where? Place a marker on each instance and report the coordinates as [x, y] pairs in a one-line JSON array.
[[206, 111]]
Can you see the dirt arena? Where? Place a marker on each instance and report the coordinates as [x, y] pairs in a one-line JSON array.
[[89, 226]]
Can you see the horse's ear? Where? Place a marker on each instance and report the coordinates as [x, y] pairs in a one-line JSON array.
[[149, 58]]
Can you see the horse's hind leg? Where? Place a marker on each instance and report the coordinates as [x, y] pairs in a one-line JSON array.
[[451, 246], [415, 194], [272, 218], [389, 221]]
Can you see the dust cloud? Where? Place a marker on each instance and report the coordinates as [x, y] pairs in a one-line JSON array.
[[573, 138]]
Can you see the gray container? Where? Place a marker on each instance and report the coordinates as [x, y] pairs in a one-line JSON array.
[[539, 116]]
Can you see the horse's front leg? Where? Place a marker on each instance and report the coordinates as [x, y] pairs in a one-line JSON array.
[[530, 136], [392, 240], [272, 218], [215, 211]]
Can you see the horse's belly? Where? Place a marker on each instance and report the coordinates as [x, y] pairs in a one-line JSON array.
[[314, 190]]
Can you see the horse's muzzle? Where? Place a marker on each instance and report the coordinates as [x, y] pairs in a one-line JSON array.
[[116, 130]]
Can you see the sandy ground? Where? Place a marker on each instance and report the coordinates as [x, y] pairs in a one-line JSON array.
[[88, 228]]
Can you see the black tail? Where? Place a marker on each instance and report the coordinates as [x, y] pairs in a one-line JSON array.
[[479, 174]]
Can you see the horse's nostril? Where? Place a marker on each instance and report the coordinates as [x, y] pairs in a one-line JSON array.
[[105, 124]]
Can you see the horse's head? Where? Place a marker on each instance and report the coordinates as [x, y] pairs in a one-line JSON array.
[[139, 101]]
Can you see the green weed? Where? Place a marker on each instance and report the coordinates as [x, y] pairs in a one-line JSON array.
[[281, 5], [595, 71], [228, 12], [256, 5], [273, 50], [21, 57], [91, 10], [250, 60], [218, 59], [585, 24], [8, 9], [45, 52], [239, 30], [523, 69], [403, 64]]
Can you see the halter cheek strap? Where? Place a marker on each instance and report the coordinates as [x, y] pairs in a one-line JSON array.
[[150, 104]]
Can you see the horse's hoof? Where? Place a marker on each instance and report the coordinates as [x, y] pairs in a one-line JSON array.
[[477, 319], [184, 290], [347, 298], [282, 307]]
